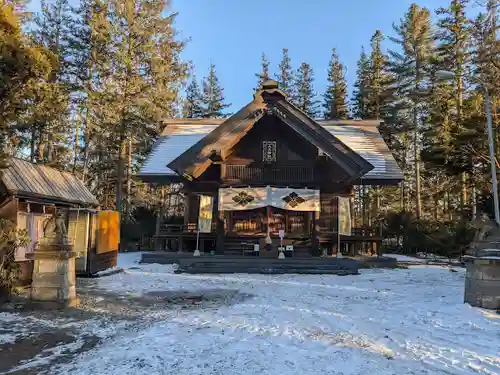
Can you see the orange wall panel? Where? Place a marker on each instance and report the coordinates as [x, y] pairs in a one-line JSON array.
[[108, 231]]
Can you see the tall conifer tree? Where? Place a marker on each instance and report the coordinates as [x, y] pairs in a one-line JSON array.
[[193, 104], [454, 55], [335, 98], [263, 75], [50, 125], [304, 87], [23, 66], [90, 65], [213, 96], [143, 84], [379, 93], [285, 75], [415, 36], [361, 87]]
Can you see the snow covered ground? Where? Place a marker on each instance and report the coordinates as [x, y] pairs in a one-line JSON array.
[[409, 321], [406, 258]]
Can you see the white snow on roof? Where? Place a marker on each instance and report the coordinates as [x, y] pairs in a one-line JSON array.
[[365, 146], [177, 138], [170, 145]]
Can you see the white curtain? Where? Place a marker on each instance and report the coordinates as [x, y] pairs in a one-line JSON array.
[[344, 213], [238, 199]]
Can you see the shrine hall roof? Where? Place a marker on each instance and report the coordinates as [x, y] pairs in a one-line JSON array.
[[28, 180], [362, 136]]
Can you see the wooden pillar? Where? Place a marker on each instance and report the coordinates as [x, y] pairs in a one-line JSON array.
[[187, 207], [315, 234], [219, 226], [159, 219]]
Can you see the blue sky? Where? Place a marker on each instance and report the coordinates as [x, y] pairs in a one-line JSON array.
[[234, 33]]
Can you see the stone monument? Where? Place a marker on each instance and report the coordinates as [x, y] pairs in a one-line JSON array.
[[482, 279], [54, 278]]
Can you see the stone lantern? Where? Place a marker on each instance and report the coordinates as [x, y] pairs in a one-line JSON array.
[[54, 278], [482, 280]]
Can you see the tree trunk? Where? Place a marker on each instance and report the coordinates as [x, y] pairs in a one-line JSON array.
[[436, 210], [50, 147], [77, 135], [41, 145], [129, 180], [418, 207], [448, 206], [33, 144], [463, 196], [120, 171], [402, 197], [474, 202]]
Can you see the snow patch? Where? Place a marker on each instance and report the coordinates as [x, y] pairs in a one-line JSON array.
[[381, 322], [129, 260], [406, 258]]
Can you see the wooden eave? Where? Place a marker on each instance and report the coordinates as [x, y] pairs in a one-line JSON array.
[[350, 161], [195, 160], [49, 200]]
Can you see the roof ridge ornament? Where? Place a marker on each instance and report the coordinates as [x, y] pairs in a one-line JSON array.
[[270, 86]]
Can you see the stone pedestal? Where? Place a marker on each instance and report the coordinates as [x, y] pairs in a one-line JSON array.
[[54, 278], [482, 280]]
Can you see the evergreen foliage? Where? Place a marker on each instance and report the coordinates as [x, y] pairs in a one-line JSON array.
[[304, 89], [213, 99], [193, 104], [380, 93], [415, 37], [361, 87], [285, 75], [335, 97], [87, 91], [263, 75]]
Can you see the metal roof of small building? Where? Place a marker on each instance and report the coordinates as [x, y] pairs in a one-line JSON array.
[[362, 136], [26, 179]]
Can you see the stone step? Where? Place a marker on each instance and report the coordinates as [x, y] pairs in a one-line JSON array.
[[265, 270]]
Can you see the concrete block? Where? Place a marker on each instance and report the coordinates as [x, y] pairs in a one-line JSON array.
[[490, 302]]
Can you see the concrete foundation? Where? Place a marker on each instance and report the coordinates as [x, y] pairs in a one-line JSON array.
[[54, 278], [482, 280]]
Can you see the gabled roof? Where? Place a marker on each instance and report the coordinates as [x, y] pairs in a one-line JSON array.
[[362, 136], [195, 160], [24, 179]]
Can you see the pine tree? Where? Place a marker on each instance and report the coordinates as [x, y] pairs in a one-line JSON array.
[[23, 66], [213, 96], [263, 75], [140, 89], [193, 104], [304, 87], [90, 65], [414, 35], [379, 95], [49, 118], [285, 75], [453, 55], [335, 98], [485, 82], [361, 87]]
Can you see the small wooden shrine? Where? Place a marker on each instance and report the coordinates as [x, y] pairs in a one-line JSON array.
[[268, 171], [30, 194]]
